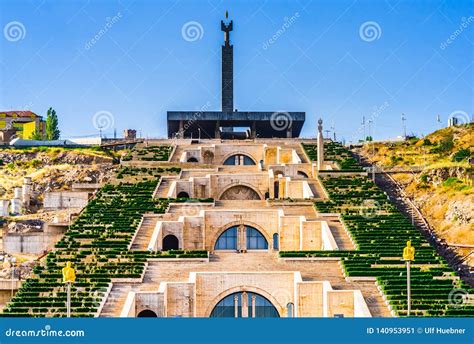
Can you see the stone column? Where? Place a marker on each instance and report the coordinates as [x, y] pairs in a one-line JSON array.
[[320, 145], [236, 306], [245, 305], [254, 309], [218, 130], [253, 131], [241, 238], [181, 129]]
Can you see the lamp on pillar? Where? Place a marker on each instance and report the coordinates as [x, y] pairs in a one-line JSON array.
[[320, 145]]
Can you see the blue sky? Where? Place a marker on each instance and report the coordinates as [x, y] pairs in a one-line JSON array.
[[415, 57]]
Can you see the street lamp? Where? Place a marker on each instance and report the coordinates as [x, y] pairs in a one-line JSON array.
[[408, 257], [69, 276], [199, 130]]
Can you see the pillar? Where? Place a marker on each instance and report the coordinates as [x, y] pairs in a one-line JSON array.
[[181, 129], [320, 145], [253, 131], [218, 130], [245, 305]]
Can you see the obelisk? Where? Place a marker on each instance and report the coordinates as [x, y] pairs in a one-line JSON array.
[[227, 68]]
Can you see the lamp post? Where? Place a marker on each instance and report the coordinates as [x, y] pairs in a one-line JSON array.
[[69, 276], [199, 131], [408, 257], [12, 262]]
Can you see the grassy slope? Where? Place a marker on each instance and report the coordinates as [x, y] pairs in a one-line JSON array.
[[444, 188]]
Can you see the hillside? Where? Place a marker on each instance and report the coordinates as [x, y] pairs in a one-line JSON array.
[[51, 169], [435, 172]]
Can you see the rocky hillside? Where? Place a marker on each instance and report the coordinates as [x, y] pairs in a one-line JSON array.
[[51, 168], [438, 175]]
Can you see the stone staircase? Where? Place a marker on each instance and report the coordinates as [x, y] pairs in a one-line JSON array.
[[164, 186], [140, 243], [116, 300], [311, 270]]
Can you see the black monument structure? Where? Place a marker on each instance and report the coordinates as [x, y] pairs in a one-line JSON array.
[[223, 124]]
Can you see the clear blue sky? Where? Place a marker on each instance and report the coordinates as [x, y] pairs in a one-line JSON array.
[[323, 63]]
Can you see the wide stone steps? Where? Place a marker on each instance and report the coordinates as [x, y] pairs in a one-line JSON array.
[[145, 232], [311, 270]]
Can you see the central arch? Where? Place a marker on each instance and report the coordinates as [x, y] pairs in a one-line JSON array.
[[240, 191], [247, 238], [146, 313], [238, 290], [239, 158]]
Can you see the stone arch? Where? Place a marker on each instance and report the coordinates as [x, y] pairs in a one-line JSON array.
[[251, 289], [302, 174], [147, 313], [170, 242], [182, 194], [277, 173], [239, 153], [243, 190], [228, 225]]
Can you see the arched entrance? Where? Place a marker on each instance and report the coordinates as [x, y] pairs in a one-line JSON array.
[[192, 159], [239, 159], [170, 242], [244, 305], [240, 192], [147, 314], [182, 194], [241, 238]]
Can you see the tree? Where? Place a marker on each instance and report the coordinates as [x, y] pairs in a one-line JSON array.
[[52, 125], [37, 135]]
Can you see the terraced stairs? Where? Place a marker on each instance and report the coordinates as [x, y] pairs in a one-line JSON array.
[[311, 270]]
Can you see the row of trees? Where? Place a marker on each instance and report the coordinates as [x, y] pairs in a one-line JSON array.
[[52, 131]]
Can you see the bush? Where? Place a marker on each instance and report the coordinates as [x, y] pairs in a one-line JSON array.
[[461, 155]]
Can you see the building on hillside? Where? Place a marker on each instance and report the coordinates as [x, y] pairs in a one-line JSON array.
[[26, 123]]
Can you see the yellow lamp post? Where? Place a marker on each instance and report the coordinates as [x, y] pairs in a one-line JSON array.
[[408, 257], [69, 277]]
